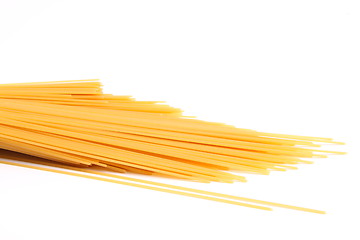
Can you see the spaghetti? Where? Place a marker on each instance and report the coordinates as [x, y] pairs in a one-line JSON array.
[[75, 123]]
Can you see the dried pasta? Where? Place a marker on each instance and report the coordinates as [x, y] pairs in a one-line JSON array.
[[76, 126]]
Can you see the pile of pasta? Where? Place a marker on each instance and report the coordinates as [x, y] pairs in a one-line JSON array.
[[73, 125]]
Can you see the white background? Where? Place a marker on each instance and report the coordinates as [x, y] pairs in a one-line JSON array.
[[277, 66]]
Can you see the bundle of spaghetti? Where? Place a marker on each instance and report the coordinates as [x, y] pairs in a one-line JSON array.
[[75, 123], [138, 140]]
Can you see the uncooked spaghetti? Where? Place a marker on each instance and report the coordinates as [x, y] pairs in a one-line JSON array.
[[75, 126]]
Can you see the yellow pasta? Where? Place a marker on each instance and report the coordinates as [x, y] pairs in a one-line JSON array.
[[75, 123]]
